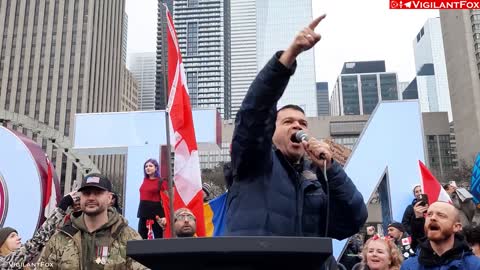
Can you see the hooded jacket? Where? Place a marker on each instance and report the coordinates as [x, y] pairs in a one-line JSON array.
[[270, 196], [73, 247], [460, 257]]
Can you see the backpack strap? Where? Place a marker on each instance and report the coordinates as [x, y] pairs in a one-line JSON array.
[[69, 229], [117, 232]]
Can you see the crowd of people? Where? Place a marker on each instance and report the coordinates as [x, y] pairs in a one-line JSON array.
[[436, 236], [279, 185]]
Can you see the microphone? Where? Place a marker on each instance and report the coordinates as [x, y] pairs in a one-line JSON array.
[[300, 136]]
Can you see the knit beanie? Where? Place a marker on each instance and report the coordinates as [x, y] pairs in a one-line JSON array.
[[4, 233], [397, 225], [414, 187]]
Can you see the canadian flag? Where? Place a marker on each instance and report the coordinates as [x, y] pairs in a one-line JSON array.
[[432, 187], [49, 200], [406, 241], [188, 184]]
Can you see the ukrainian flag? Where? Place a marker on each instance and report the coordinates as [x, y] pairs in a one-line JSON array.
[[214, 212]]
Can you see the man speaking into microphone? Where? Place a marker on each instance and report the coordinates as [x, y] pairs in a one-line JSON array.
[[279, 186]]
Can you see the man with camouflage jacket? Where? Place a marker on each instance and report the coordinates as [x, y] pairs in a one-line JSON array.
[[97, 239]]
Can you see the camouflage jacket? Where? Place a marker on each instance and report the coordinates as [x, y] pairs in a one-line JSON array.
[[22, 256], [73, 247]]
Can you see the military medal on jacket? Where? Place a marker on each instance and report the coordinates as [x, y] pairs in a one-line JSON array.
[[101, 253]]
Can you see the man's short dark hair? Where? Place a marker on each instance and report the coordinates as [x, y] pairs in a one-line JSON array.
[[293, 107], [446, 186], [472, 234]]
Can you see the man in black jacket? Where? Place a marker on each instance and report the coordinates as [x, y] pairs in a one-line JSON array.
[[401, 239], [279, 186]]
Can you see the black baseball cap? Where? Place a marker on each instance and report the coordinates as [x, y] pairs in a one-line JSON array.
[[96, 180]]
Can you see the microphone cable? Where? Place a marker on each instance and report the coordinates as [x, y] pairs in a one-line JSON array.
[[298, 137], [327, 191]]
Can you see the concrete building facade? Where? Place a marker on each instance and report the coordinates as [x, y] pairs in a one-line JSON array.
[[129, 99], [58, 58], [461, 40]]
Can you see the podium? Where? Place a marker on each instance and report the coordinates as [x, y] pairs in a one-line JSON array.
[[236, 253]]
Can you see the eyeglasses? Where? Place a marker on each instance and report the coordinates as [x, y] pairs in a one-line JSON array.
[[185, 217]]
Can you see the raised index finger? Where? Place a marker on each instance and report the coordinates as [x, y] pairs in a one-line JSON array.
[[315, 22]]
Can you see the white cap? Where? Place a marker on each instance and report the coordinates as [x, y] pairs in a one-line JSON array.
[[453, 183]]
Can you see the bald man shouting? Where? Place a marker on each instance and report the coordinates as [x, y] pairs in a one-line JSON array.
[[444, 248]]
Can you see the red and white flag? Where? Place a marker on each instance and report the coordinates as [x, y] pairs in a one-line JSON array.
[[406, 241], [50, 198], [432, 187], [188, 184]]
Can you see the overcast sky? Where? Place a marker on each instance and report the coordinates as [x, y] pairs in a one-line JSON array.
[[352, 31]]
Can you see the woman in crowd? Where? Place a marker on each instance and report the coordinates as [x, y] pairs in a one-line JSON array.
[[9, 241], [380, 253], [150, 202], [14, 255]]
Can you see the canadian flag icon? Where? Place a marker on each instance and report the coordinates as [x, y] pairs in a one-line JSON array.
[[406, 241]]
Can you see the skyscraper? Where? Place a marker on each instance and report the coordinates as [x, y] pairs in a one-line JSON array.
[[203, 31], [278, 21], [143, 68], [125, 38], [432, 81], [58, 58], [129, 99], [360, 86], [160, 84], [323, 105], [244, 49], [411, 92], [461, 39], [259, 29]]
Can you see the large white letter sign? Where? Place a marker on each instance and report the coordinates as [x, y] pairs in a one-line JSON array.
[[391, 142], [22, 182], [139, 135]]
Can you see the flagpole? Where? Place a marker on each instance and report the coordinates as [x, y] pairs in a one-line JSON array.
[[167, 117]]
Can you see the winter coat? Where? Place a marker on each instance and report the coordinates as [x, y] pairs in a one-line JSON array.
[[269, 196], [408, 216], [460, 257]]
